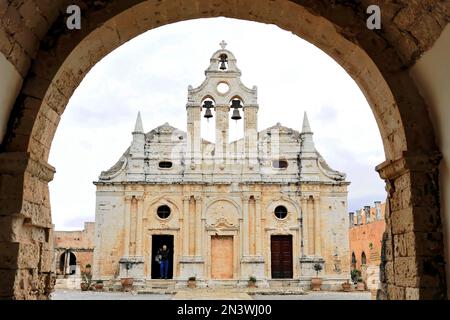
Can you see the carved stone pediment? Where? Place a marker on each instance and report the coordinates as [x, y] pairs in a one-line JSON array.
[[222, 215]]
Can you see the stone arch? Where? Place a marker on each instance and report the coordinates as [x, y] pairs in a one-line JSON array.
[[353, 261], [237, 97], [67, 262], [55, 76], [227, 200], [377, 61], [162, 200], [270, 207], [363, 258]]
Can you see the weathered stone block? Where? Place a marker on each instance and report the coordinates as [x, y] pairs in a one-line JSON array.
[[404, 245], [395, 292], [412, 294], [406, 271]]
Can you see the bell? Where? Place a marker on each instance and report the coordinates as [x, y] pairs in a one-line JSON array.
[[223, 60], [207, 104], [236, 115], [208, 113], [236, 104]]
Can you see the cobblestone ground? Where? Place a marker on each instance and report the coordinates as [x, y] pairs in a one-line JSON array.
[[319, 296], [78, 295]]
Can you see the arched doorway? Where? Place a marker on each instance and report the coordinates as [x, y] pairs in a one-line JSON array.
[[377, 62], [68, 263], [353, 262]]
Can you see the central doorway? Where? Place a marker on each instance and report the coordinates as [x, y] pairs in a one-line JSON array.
[[281, 253], [157, 242], [222, 257]]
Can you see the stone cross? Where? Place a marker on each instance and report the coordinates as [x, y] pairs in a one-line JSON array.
[[223, 44]]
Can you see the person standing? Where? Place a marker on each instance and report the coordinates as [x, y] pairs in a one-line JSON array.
[[164, 262]]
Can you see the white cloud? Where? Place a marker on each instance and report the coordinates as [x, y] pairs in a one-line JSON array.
[[151, 73]]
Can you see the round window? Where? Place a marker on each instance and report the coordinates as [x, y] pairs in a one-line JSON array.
[[163, 212], [223, 87], [281, 212]]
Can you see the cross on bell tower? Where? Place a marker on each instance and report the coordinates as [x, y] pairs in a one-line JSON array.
[[223, 44]]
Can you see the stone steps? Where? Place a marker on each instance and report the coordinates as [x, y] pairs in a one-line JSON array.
[[283, 283], [160, 284]]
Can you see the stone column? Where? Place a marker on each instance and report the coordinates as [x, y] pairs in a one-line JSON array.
[[259, 235], [222, 121], [193, 133], [185, 226], [126, 219], [140, 210], [310, 225], [251, 134], [317, 227], [198, 221], [252, 225], [191, 233], [25, 227], [245, 230], [412, 257], [305, 225]]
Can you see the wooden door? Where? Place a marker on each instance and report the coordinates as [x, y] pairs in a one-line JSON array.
[[222, 257], [281, 248]]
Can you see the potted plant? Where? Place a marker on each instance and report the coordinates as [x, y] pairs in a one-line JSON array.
[[346, 286], [192, 282], [87, 268], [86, 281], [99, 285], [127, 282], [316, 282], [355, 275], [252, 282]]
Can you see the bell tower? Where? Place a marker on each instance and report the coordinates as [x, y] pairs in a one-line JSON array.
[[223, 91]]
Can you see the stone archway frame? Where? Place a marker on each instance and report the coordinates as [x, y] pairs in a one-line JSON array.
[[283, 200], [163, 200], [413, 263]]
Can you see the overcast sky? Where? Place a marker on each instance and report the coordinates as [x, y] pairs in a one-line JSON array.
[[151, 73]]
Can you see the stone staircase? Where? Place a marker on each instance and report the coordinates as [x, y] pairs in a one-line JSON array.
[[157, 284], [283, 283]]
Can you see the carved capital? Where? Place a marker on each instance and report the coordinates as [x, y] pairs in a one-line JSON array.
[[17, 163], [391, 169]]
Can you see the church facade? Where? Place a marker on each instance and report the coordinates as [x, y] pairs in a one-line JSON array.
[[266, 206]]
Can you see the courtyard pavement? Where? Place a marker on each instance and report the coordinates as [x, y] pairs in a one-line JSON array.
[[205, 295]]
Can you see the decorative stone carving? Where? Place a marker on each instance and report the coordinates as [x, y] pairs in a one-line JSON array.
[[222, 215]]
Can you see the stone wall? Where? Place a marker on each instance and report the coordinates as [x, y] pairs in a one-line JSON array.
[[52, 61]]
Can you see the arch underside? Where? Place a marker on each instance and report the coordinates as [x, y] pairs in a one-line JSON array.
[[377, 61]]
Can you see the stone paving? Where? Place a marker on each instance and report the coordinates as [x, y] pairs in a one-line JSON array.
[[206, 295]]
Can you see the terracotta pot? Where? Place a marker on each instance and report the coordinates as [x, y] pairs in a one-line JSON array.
[[127, 283], [99, 286], [346, 287], [316, 283], [84, 286], [251, 284], [361, 286], [192, 284]]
